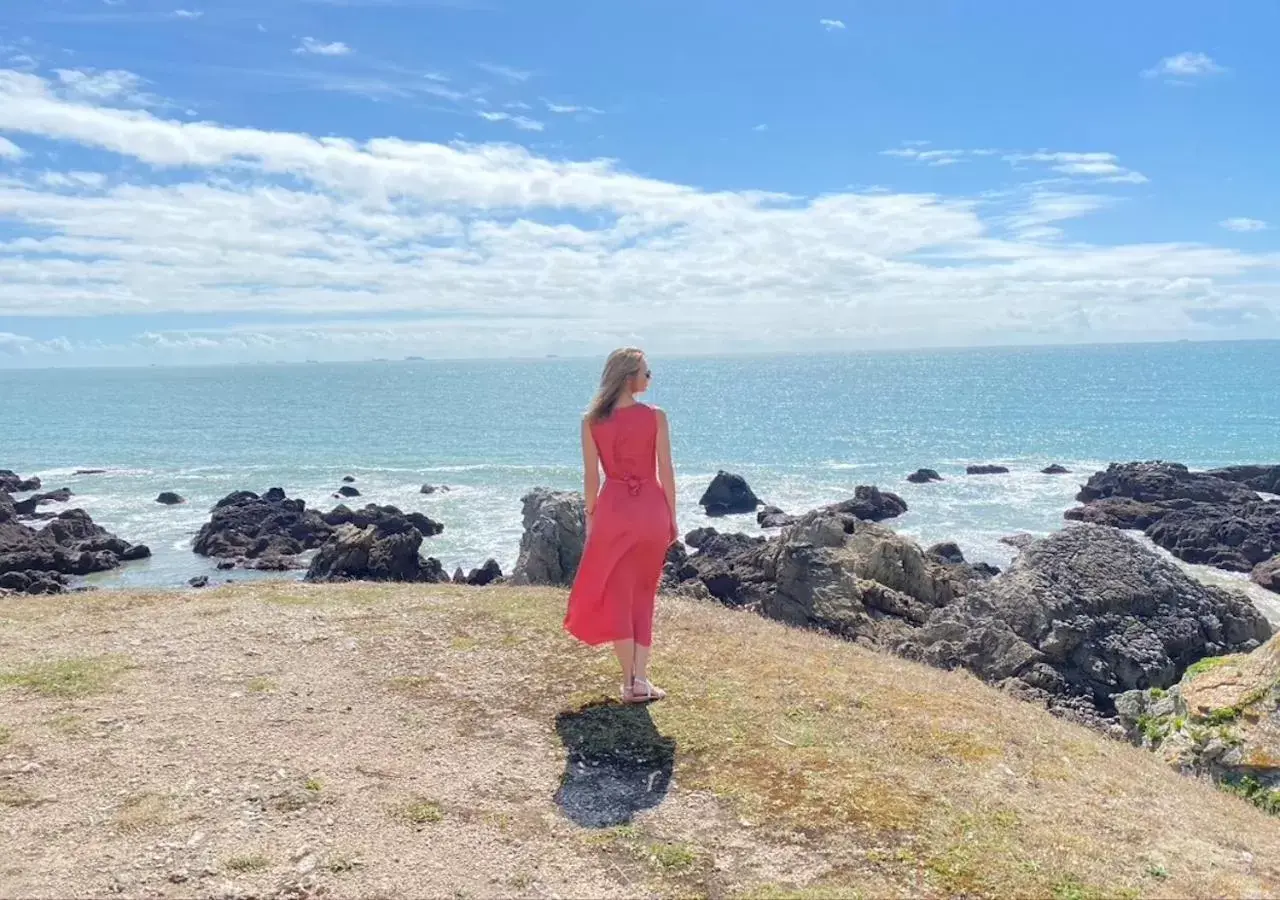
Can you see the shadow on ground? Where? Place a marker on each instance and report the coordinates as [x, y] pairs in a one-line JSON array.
[[617, 765]]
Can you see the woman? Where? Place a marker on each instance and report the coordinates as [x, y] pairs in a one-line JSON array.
[[630, 523]]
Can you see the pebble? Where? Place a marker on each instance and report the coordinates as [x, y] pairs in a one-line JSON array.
[[307, 864], [179, 877], [31, 767], [195, 839]]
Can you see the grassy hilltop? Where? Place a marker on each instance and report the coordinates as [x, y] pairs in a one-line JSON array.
[[282, 740]]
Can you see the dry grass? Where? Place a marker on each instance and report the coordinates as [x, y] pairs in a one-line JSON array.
[[424, 722]]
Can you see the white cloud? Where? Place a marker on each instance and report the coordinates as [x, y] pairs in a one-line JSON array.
[[10, 150], [187, 14], [319, 48], [517, 76], [569, 109], [1184, 66], [929, 157], [524, 123], [1243, 224], [491, 248], [761, 127], [831, 24], [112, 86], [1103, 167]]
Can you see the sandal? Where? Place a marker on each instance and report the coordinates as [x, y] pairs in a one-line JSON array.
[[643, 691]]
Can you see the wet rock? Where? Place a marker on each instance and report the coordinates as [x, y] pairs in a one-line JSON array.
[[1055, 469], [199, 581], [1267, 574], [372, 514], [13, 483], [89, 472], [948, 553], [347, 491], [489, 573], [986, 470], [169, 498], [772, 517], [68, 544], [348, 479], [383, 551], [28, 506], [729, 494], [923, 476], [870, 504], [244, 524]]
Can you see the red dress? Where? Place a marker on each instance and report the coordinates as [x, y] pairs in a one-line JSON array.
[[613, 592]]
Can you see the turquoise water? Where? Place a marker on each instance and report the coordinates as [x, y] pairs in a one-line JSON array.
[[803, 430]]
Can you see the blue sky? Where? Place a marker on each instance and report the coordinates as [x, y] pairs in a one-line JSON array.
[[223, 181]]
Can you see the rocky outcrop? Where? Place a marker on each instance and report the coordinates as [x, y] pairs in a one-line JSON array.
[[29, 506], [489, 573], [244, 524], [1221, 720], [169, 498], [69, 544], [13, 483], [432, 489], [986, 470], [772, 517], [1083, 616], [923, 476], [1055, 469], [870, 504], [1267, 574], [385, 550], [554, 535], [947, 552], [1258, 478], [347, 491], [727, 495], [372, 514], [1199, 517]]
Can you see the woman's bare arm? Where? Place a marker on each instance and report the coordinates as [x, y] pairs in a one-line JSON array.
[[666, 471], [590, 470]]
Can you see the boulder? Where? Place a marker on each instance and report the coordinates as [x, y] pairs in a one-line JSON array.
[[489, 573], [459, 576], [870, 504], [432, 489], [199, 581], [986, 470], [923, 476], [1055, 469], [28, 506], [772, 517], [1221, 720], [948, 553], [1267, 574], [385, 551], [245, 525], [169, 498], [554, 535], [372, 514], [33, 582], [347, 491], [89, 472], [1083, 616], [699, 536], [1153, 481], [13, 483], [729, 494], [348, 479]]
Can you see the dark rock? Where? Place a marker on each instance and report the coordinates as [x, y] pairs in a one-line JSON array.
[[984, 570], [699, 536], [169, 498], [923, 476], [459, 576], [489, 573], [28, 506], [772, 517], [225, 564], [986, 470], [947, 553], [1084, 615], [246, 525], [386, 550], [554, 534], [89, 472], [1198, 517], [1055, 469], [1152, 481], [13, 483], [348, 491], [1259, 478], [199, 581], [1020, 541], [68, 544], [33, 582], [432, 489], [1267, 574], [348, 479], [677, 558], [273, 563], [728, 495], [373, 514], [870, 504]]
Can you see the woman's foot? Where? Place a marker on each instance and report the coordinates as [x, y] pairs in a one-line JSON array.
[[643, 691]]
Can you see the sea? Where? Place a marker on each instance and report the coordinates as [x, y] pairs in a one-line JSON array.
[[804, 430]]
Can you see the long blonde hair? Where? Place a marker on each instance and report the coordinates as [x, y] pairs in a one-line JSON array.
[[619, 369]]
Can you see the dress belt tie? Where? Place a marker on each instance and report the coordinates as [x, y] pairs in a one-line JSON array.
[[634, 484]]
